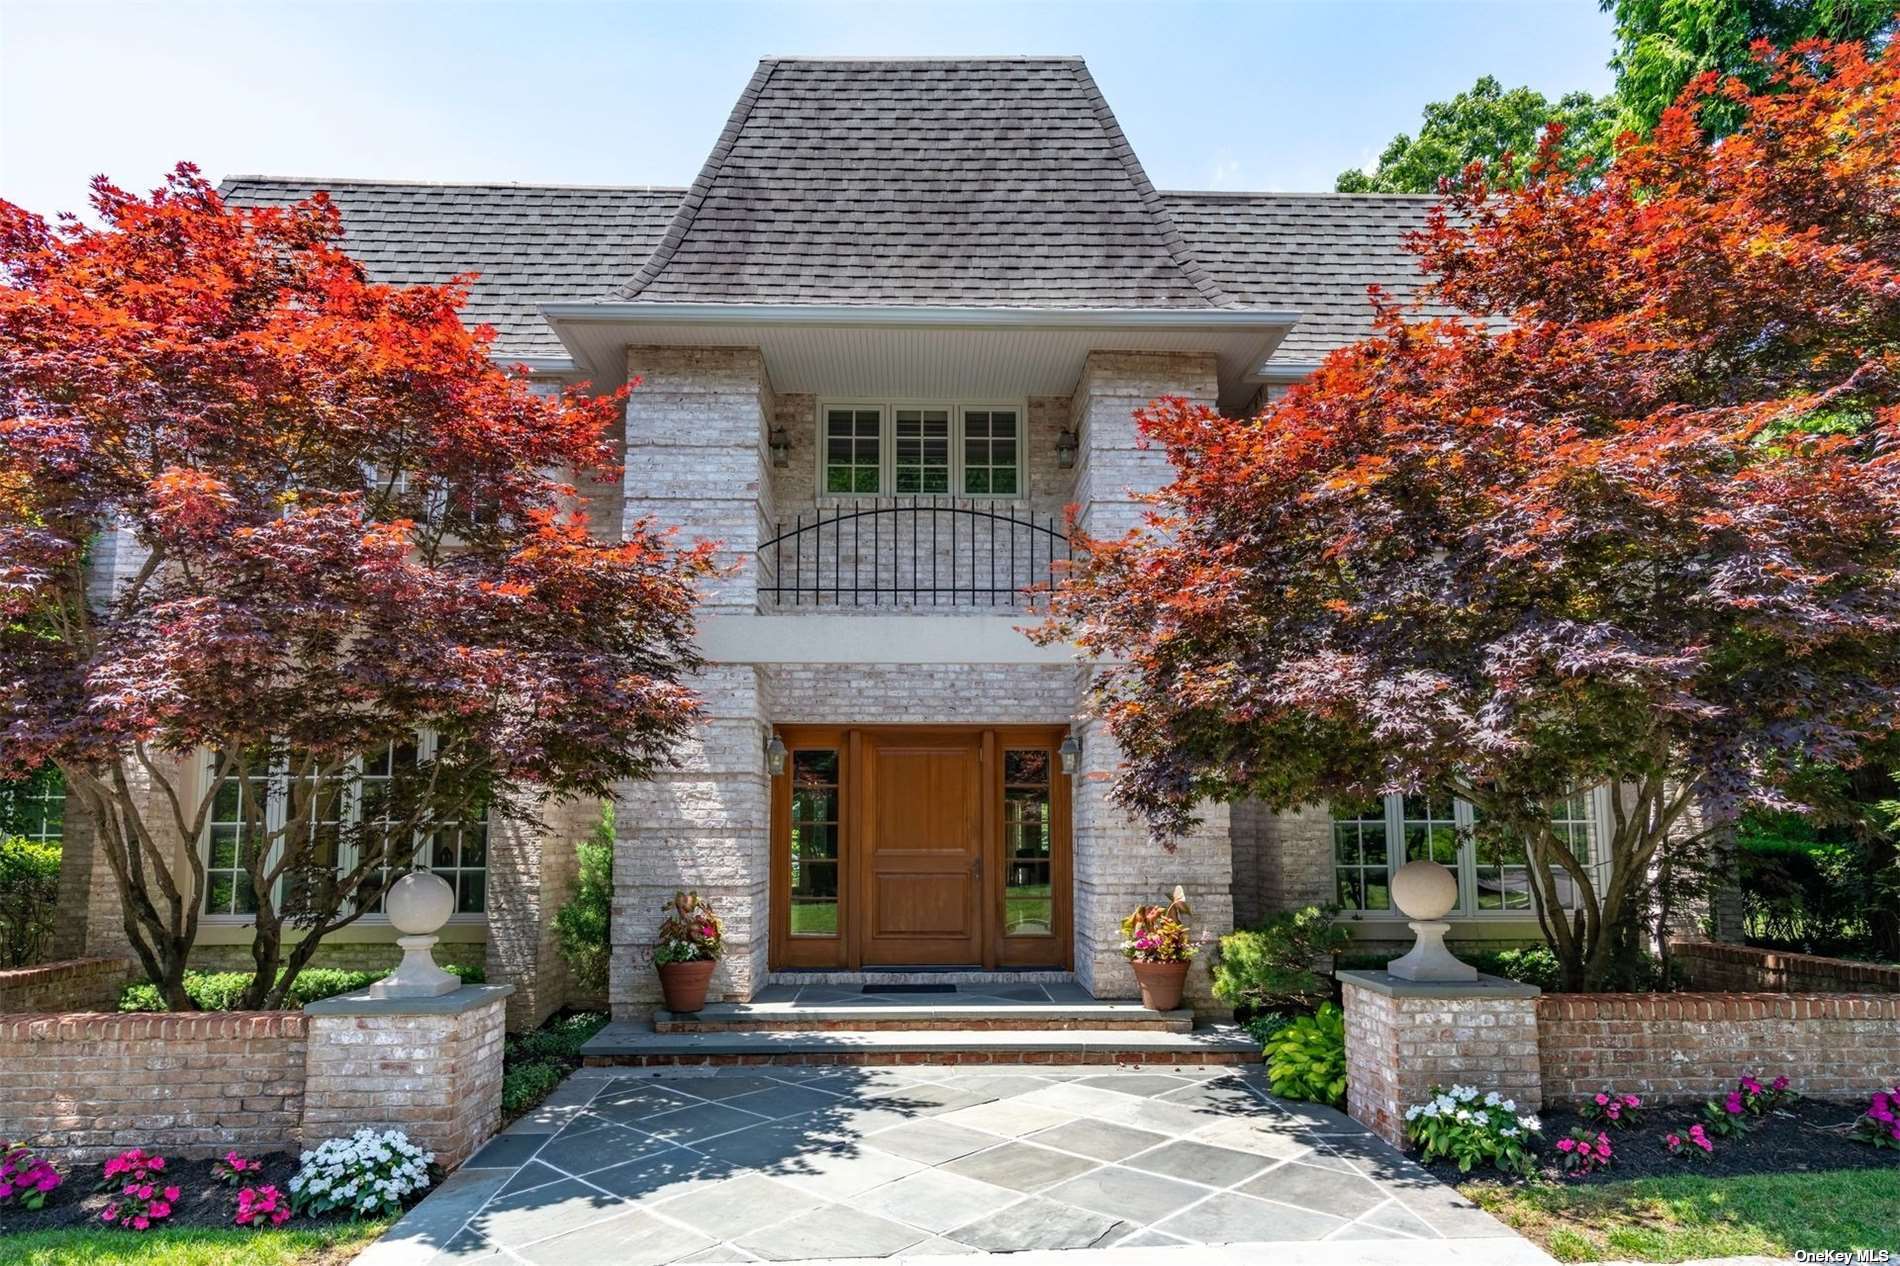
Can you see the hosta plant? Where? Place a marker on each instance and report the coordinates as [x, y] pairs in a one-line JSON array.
[[1459, 1126], [1879, 1126], [1307, 1058], [140, 1195], [26, 1177], [1582, 1151], [367, 1174], [1612, 1109]]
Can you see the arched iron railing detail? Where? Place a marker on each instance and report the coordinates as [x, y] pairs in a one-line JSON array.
[[911, 552]]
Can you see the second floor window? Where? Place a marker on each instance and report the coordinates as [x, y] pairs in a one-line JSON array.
[[929, 450]]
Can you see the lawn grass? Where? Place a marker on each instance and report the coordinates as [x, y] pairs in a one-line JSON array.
[[191, 1246], [1690, 1216]]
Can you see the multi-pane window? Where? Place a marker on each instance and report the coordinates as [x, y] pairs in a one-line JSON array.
[[921, 450], [854, 455], [1362, 868], [337, 810], [1372, 837], [921, 455], [815, 842], [991, 448], [35, 807], [1028, 879]]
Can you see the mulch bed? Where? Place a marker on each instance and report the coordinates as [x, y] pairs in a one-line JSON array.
[[203, 1201], [1804, 1135]]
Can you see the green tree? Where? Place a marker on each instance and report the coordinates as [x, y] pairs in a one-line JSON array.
[[1662, 44], [1480, 125]]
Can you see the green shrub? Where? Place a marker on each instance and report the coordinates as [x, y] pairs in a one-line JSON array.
[[221, 990], [1527, 964], [29, 893], [560, 1039], [1270, 968], [1307, 1058], [1263, 1026], [581, 926], [524, 1085]]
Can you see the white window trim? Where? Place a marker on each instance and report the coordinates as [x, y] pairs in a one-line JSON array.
[[1467, 870], [274, 810], [887, 449]]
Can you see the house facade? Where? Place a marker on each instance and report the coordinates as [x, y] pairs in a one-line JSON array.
[[896, 328]]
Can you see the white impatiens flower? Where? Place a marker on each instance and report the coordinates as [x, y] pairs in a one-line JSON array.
[[1492, 1100], [1509, 1131], [1445, 1103], [1509, 1105], [1411, 1113], [1529, 1123]]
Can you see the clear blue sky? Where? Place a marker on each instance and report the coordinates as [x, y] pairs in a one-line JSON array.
[[1263, 95]]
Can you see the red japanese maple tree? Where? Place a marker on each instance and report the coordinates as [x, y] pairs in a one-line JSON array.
[[1633, 520], [334, 527]]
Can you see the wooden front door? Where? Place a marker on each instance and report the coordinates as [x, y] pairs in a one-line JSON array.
[[922, 860], [920, 846]]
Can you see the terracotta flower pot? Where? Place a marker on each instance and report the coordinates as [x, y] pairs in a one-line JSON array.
[[684, 984], [1161, 984]]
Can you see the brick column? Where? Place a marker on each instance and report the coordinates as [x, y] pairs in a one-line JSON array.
[[430, 1067], [1404, 1037], [703, 825], [1117, 865], [532, 868]]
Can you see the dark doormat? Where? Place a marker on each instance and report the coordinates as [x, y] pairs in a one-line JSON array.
[[910, 988]]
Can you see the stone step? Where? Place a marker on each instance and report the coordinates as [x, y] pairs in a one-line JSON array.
[[807, 977], [922, 1013], [629, 1044]]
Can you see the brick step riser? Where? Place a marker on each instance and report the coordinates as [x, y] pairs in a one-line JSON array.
[[869, 1058], [1026, 1025]]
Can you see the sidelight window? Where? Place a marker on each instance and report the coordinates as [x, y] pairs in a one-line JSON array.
[[1028, 856], [815, 842]]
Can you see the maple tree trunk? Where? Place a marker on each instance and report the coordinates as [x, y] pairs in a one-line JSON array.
[[160, 938]]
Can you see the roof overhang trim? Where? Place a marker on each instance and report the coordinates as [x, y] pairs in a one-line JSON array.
[[919, 351]]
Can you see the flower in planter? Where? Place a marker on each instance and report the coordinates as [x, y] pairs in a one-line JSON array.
[[1879, 1126], [1612, 1108], [690, 932], [261, 1207], [1693, 1143], [26, 1177], [141, 1195], [1158, 933]]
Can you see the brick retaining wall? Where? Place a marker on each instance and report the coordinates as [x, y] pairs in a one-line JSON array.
[[1685, 1046], [75, 984], [1709, 966], [92, 1084]]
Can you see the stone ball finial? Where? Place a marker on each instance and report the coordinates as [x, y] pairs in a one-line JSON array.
[[1424, 890], [419, 903]]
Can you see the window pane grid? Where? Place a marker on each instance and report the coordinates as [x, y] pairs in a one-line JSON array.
[[991, 459], [1028, 844], [922, 451], [853, 451], [1361, 857], [814, 846]]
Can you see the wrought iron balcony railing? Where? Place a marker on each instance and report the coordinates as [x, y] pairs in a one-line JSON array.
[[912, 552]]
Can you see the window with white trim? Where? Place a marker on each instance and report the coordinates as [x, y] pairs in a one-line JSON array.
[[1373, 838], [252, 813], [921, 449]]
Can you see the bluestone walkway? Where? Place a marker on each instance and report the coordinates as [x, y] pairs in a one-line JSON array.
[[806, 1164]]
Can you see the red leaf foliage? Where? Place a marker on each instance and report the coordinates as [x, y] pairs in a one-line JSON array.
[[1635, 515]]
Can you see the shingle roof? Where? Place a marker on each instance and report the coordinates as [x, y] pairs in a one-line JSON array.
[[979, 182], [991, 181], [531, 244], [1313, 253]]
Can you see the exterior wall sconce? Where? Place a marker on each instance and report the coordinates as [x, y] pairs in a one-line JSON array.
[[779, 440], [1069, 754], [775, 755], [1066, 446]]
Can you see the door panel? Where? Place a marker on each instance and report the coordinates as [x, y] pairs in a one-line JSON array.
[[923, 848]]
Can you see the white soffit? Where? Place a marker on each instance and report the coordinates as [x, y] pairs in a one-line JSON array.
[[930, 353]]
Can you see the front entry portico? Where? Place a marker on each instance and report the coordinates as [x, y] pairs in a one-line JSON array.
[[914, 846]]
